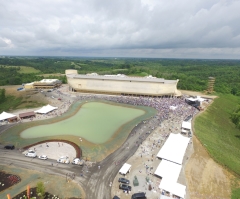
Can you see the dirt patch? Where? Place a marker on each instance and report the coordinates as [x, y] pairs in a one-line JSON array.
[[206, 178]]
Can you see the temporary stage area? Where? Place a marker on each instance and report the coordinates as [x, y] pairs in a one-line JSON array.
[[173, 187], [169, 172], [7, 116], [174, 148], [125, 169], [46, 109]]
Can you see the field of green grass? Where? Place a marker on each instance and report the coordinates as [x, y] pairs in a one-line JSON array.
[[220, 136], [25, 69], [13, 103]]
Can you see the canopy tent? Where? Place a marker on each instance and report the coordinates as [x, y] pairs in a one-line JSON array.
[[125, 169], [173, 187], [168, 170], [186, 125], [174, 148], [5, 116], [46, 109]]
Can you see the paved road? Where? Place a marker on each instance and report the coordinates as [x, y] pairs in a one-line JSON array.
[[94, 181]]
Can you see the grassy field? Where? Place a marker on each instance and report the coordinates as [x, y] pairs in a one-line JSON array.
[[20, 99], [25, 69], [13, 103], [219, 135]]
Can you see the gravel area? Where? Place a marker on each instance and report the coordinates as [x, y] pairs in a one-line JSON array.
[[54, 150]]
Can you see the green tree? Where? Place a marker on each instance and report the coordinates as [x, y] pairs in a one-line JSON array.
[[2, 95], [40, 190], [235, 117]]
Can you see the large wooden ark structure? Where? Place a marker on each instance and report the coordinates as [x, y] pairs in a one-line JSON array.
[[121, 84]]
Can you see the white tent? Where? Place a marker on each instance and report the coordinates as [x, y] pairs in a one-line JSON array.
[[200, 99], [173, 187], [168, 170], [174, 148], [125, 169], [186, 125], [5, 115], [46, 109], [173, 107]]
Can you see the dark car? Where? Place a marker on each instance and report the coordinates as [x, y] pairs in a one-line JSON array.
[[125, 187], [123, 180], [140, 195], [10, 146]]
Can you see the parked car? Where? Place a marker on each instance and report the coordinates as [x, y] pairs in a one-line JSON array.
[[43, 157], [59, 99], [9, 146], [31, 154], [125, 187], [123, 180], [78, 161], [140, 195], [63, 159]]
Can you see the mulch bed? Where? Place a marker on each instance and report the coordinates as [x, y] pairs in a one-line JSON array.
[[7, 180], [33, 193]]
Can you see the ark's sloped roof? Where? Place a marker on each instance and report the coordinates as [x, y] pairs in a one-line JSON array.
[[118, 78]]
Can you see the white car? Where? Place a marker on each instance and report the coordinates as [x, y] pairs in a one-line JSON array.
[[31, 154], [63, 159], [43, 157], [76, 161]]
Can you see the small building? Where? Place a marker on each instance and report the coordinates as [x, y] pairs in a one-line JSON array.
[[44, 84], [27, 115]]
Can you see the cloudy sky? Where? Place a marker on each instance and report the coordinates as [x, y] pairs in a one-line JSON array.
[[121, 28]]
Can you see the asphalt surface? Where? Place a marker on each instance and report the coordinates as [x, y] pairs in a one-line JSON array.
[[94, 180]]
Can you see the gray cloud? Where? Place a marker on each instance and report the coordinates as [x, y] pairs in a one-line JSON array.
[[143, 28]]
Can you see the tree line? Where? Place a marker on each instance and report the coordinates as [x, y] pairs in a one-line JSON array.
[[2, 95], [192, 73]]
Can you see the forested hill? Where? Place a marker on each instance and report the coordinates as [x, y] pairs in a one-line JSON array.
[[193, 74]]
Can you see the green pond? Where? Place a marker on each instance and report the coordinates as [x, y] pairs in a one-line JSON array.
[[95, 122]]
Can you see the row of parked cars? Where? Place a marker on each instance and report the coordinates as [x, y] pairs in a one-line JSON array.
[[62, 159], [124, 185]]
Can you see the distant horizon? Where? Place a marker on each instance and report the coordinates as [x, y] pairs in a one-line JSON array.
[[95, 57]]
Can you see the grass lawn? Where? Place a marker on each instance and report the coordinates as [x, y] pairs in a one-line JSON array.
[[13, 103], [26, 69], [219, 135]]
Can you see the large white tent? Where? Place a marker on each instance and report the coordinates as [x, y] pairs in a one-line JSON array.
[[5, 116], [125, 169], [168, 170], [186, 125], [173, 187], [174, 148], [46, 109]]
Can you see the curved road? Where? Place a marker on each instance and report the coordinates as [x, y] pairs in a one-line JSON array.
[[95, 181]]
